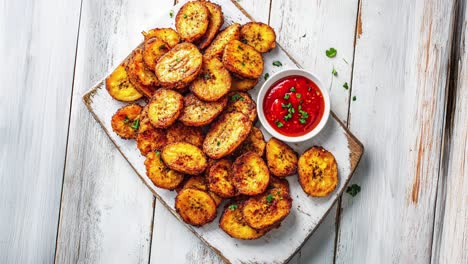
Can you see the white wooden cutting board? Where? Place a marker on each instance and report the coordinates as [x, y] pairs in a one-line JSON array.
[[279, 245]]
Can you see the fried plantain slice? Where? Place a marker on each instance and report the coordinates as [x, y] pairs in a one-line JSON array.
[[165, 107], [178, 132], [199, 113], [255, 142], [119, 86], [192, 21], [281, 158], [184, 157], [258, 35], [126, 120], [250, 174], [233, 223], [219, 179], [214, 81], [216, 48], [226, 134], [243, 60], [318, 172], [270, 208], [168, 35], [243, 85], [243, 103], [159, 174], [199, 182], [141, 77], [149, 138], [181, 65], [216, 21], [195, 207], [153, 49]]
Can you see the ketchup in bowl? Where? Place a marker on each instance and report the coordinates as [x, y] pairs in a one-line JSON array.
[[294, 106]]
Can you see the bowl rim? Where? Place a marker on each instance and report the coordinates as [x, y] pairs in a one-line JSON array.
[[287, 73]]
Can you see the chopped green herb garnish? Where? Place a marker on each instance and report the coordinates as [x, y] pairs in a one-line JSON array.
[[236, 97], [353, 190], [346, 86], [286, 96], [354, 98], [243, 64], [279, 124], [163, 46], [233, 207], [218, 143], [177, 59], [334, 72], [269, 198], [331, 53], [185, 15], [293, 89], [287, 117], [299, 108], [171, 14], [302, 121], [126, 120], [267, 75], [136, 124], [291, 110], [206, 76], [298, 95], [158, 152], [277, 63]]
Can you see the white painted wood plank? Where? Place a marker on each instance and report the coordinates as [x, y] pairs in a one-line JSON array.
[[302, 221], [173, 242], [451, 231], [399, 80], [306, 29], [37, 47], [106, 213]]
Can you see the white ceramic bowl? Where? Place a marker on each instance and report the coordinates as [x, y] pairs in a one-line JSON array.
[[278, 76]]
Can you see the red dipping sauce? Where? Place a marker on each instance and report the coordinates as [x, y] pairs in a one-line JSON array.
[[294, 106]]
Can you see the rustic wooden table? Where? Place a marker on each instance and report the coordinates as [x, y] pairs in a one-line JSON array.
[[67, 195]]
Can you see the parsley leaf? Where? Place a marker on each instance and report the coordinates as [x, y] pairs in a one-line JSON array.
[[206, 76], [345, 85], [269, 198], [236, 97], [267, 75], [126, 120], [218, 143], [331, 53], [277, 63], [279, 124], [354, 98], [353, 190], [233, 207], [298, 95], [334, 72], [185, 15], [302, 121], [136, 124], [171, 14], [286, 96], [158, 152], [293, 89]]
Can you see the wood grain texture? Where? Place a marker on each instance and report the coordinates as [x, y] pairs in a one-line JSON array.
[[166, 231], [37, 48], [451, 225], [106, 215], [399, 82], [306, 29]]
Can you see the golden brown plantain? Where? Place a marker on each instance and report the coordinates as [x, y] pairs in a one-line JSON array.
[[254, 142], [181, 65], [233, 223], [178, 132], [258, 35], [184, 157], [216, 48], [126, 120], [119, 86], [243, 103], [216, 21], [199, 182], [250, 174], [318, 172], [192, 21], [270, 208], [199, 113], [195, 207], [281, 158], [149, 138], [168, 35], [243, 85], [219, 179], [243, 60], [153, 49], [214, 81], [226, 134], [159, 174], [165, 107], [144, 79]]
